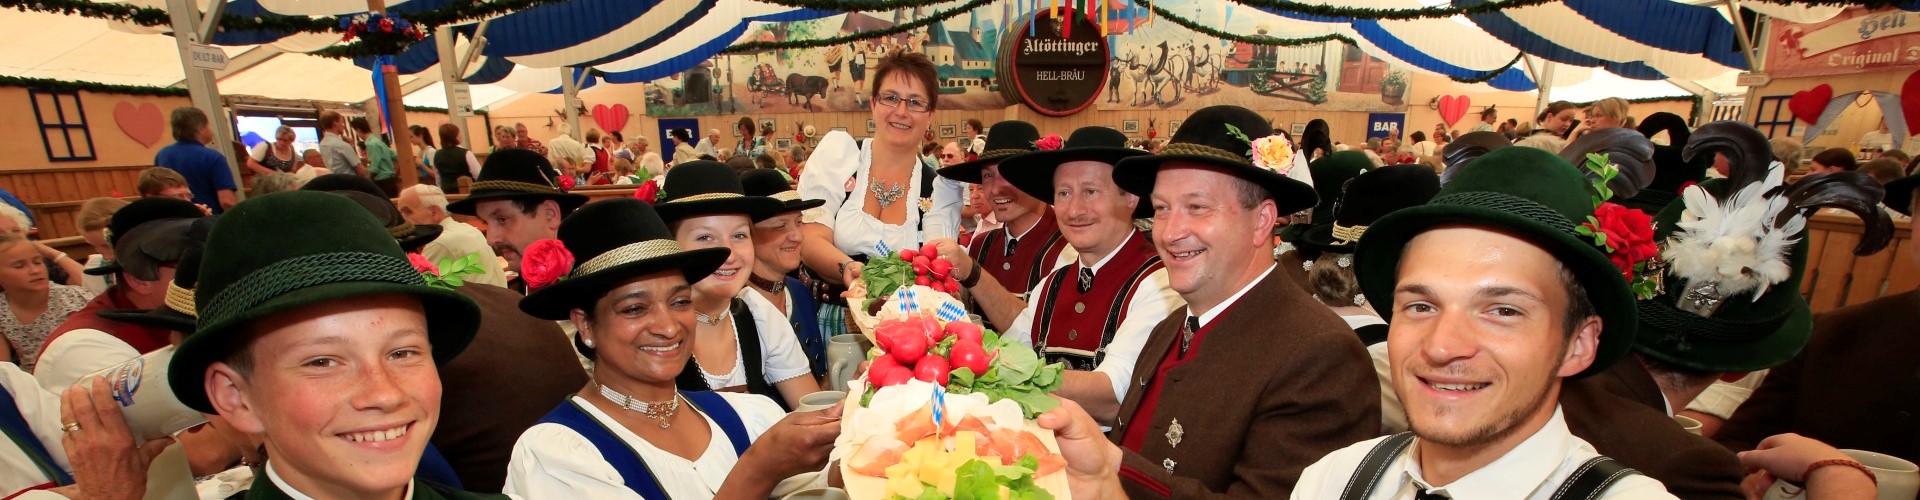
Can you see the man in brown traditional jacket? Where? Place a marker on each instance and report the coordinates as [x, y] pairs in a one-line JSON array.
[[1253, 380]]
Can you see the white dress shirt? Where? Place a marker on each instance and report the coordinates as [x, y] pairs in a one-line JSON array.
[[456, 240], [1208, 315], [1721, 398], [553, 461], [1533, 470], [1151, 302]]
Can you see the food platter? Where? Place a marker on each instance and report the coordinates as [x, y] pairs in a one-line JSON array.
[[858, 423]]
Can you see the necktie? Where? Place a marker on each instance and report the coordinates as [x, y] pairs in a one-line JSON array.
[[1423, 495], [1086, 280], [1186, 334], [1011, 241]]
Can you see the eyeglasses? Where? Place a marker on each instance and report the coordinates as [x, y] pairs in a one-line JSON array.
[[893, 100]]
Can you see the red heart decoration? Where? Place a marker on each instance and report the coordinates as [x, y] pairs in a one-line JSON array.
[[1807, 105], [619, 120], [142, 123], [603, 116], [1910, 100], [1453, 107]]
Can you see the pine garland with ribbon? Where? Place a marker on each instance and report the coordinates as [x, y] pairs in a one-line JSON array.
[[103, 88], [454, 12], [940, 16]]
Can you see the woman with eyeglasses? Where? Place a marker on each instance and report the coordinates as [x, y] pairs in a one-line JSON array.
[[879, 196]]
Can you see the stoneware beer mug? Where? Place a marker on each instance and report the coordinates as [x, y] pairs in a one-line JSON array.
[[820, 400], [844, 355], [147, 402]]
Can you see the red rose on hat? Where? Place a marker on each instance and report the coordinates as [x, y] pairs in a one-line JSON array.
[[1049, 143], [647, 192], [544, 263], [567, 183], [1627, 235], [422, 264]]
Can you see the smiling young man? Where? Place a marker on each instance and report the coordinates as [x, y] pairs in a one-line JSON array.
[[1022, 252], [1492, 300], [1097, 312], [518, 197], [325, 344], [1253, 380]]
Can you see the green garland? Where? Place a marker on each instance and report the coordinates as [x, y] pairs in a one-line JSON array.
[[826, 42], [454, 12], [1434, 12], [63, 85], [1490, 74], [1253, 39]]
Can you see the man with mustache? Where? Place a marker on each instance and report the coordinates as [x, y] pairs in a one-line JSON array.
[[1097, 312], [518, 197], [1029, 246], [1253, 380]]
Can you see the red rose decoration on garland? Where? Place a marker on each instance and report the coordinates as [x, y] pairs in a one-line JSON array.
[[545, 262], [1625, 234], [1049, 143], [422, 264]]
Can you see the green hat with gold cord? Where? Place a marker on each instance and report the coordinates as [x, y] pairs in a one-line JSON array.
[[325, 247], [1733, 252]]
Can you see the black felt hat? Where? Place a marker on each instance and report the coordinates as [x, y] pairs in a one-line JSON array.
[[515, 173], [703, 187], [612, 241], [769, 183], [1671, 171], [1900, 194], [323, 248], [1004, 140], [411, 236], [1032, 172], [176, 313], [1330, 175], [1220, 137], [1370, 196], [139, 212]]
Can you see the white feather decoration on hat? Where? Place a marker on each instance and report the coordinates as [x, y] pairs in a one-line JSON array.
[[1735, 244]]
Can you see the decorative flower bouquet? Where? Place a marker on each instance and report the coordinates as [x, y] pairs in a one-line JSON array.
[[381, 33]]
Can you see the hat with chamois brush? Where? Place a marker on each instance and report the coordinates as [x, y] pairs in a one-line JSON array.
[[1232, 139], [1709, 316], [325, 248]]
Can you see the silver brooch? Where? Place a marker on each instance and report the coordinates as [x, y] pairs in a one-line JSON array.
[[1174, 433]]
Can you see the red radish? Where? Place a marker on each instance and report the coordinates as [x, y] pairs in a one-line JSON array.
[[932, 369], [908, 348], [930, 249], [921, 261], [887, 372], [922, 280], [969, 355], [930, 328], [951, 283], [908, 254], [967, 332], [941, 267]]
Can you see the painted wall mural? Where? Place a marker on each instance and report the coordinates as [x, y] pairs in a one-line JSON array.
[[1156, 65]]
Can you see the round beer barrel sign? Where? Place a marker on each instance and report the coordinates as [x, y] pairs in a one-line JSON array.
[[1057, 70]]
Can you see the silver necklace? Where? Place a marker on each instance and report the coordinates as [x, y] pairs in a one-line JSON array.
[[885, 194], [704, 319], [662, 411]]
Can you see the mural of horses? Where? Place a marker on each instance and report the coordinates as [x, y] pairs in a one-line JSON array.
[[802, 86]]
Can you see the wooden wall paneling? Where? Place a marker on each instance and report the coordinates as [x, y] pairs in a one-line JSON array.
[[1816, 245], [1905, 275], [1834, 269], [1869, 276]]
